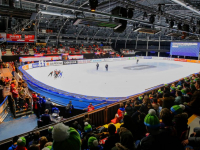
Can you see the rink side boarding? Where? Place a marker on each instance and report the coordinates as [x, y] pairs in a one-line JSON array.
[[81, 101]]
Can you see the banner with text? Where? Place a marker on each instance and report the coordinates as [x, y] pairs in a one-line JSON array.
[[70, 62]]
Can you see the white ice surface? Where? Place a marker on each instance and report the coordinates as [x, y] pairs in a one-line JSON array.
[[84, 79]]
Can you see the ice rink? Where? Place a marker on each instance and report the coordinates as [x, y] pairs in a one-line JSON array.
[[123, 78]]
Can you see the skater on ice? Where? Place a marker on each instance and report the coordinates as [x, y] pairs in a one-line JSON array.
[[97, 66], [50, 73], [106, 66], [137, 61], [60, 74]]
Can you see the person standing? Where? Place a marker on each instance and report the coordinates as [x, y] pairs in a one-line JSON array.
[[137, 61], [106, 66], [97, 66]]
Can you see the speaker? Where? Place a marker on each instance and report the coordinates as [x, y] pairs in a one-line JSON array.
[[130, 13], [186, 27], [179, 26], [121, 12]]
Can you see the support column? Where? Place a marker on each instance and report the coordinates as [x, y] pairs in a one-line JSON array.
[[147, 45], [136, 42], [159, 47]]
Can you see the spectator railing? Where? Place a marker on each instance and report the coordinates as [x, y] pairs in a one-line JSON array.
[[3, 111]]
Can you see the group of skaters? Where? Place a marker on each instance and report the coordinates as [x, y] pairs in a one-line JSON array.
[[56, 73], [106, 66]]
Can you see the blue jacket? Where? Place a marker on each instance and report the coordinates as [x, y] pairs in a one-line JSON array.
[[12, 147], [55, 110]]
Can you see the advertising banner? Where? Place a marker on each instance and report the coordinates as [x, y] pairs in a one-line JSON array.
[[30, 66], [108, 59], [157, 58], [70, 62], [25, 67], [51, 63], [96, 60], [44, 58], [57, 63], [35, 65], [147, 57], [116, 59], [167, 58], [75, 57], [2, 37], [18, 38], [132, 58], [124, 58], [83, 61], [192, 61]]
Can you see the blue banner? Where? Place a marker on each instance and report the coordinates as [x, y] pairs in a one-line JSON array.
[[147, 57]]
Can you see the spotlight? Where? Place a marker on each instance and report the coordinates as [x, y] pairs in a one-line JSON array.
[[93, 4], [50, 1]]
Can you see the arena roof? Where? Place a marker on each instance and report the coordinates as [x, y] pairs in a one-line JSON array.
[[60, 15]]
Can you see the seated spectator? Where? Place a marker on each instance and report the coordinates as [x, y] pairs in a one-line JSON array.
[[36, 137], [87, 127], [168, 101], [129, 124], [34, 147], [21, 143], [194, 104], [120, 112], [93, 144], [146, 105], [166, 118], [180, 119], [129, 109], [45, 118], [152, 141], [126, 140], [179, 98], [43, 140], [78, 127], [14, 143], [193, 140], [90, 107], [65, 137], [136, 106], [113, 138]]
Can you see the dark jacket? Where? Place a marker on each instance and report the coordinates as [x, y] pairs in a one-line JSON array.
[[48, 105], [180, 122], [46, 119], [168, 102], [194, 142], [136, 108], [195, 100], [129, 110], [110, 142], [162, 140], [145, 109]]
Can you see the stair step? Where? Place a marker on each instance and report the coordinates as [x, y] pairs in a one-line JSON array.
[[23, 113]]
